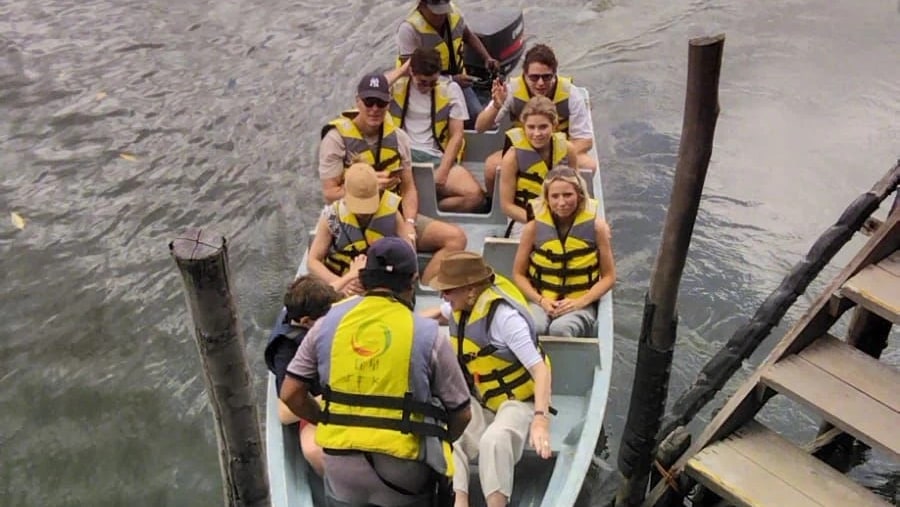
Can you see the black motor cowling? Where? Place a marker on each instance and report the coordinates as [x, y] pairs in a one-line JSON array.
[[502, 33]]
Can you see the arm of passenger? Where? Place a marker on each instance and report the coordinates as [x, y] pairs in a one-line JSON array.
[[509, 169], [434, 313], [472, 40], [540, 425], [449, 385], [300, 374], [520, 263], [397, 72], [331, 166], [581, 131], [406, 230], [607, 265], [285, 415], [318, 249], [448, 160], [582, 145], [571, 155], [407, 190]]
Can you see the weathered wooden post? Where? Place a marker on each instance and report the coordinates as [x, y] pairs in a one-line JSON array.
[[202, 259], [654, 361]]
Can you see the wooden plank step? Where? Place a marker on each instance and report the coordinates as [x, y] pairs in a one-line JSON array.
[[877, 288], [756, 467], [850, 390]]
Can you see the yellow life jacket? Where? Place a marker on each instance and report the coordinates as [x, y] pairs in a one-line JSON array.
[[349, 239], [447, 40], [564, 267], [532, 167], [374, 366], [559, 95], [440, 110], [496, 375], [384, 156]]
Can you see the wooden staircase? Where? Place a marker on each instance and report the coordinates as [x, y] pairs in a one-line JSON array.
[[748, 464]]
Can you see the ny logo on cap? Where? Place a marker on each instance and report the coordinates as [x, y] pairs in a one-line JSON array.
[[374, 82]]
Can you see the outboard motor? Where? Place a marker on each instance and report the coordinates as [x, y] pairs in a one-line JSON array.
[[501, 31]]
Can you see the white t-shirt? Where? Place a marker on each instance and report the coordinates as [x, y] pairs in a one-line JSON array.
[[579, 117], [508, 332], [418, 117]]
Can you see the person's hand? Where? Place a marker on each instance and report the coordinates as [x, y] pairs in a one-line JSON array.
[[386, 180], [540, 436], [549, 306], [440, 177], [498, 92], [564, 306], [358, 262], [492, 64], [463, 80], [353, 288]]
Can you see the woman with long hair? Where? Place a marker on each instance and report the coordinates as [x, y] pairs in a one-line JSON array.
[[564, 263], [535, 149]]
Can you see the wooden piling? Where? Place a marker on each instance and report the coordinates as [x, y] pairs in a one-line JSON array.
[[202, 260], [657, 338]]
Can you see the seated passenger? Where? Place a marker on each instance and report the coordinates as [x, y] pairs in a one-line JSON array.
[[307, 299], [432, 112], [536, 149], [348, 226], [367, 134], [438, 24], [498, 336], [564, 263], [539, 78]]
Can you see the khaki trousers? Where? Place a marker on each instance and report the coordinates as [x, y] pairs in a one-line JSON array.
[[496, 441]]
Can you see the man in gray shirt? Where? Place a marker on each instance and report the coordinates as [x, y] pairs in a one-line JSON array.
[[385, 428]]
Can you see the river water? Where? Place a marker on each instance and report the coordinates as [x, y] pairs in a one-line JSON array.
[[123, 123]]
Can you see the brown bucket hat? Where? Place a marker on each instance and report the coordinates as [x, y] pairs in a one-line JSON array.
[[459, 269]]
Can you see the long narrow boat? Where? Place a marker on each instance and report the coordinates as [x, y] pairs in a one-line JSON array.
[[581, 370]]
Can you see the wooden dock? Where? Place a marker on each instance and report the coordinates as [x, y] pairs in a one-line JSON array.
[[840, 380]]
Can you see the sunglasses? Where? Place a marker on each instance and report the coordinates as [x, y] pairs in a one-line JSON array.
[[534, 78], [373, 102]]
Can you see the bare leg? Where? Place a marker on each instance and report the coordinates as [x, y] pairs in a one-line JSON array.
[[586, 161], [496, 499], [461, 193], [311, 451], [441, 238], [490, 170]]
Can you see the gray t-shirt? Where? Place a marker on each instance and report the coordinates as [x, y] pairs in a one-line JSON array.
[[350, 478], [408, 39]]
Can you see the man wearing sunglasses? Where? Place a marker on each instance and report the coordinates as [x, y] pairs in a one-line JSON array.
[[438, 24], [432, 111], [539, 77], [367, 135]]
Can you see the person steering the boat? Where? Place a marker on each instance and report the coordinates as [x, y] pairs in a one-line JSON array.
[[368, 134], [439, 24], [539, 78], [432, 111], [536, 149], [393, 395], [307, 299], [564, 263], [496, 344], [348, 226]]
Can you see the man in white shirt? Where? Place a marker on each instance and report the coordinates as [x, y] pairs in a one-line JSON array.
[[539, 77], [431, 110]]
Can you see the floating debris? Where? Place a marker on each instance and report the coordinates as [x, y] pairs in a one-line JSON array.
[[17, 220], [128, 156], [100, 96]]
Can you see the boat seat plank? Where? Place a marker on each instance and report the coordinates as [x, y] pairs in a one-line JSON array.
[[423, 176], [757, 467], [838, 400], [499, 253], [877, 288], [879, 380]]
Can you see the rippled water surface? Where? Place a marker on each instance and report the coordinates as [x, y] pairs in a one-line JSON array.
[[124, 122]]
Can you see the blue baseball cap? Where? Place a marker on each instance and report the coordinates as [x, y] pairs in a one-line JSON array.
[[392, 255]]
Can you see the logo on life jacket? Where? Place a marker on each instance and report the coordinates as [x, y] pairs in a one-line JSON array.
[[371, 344]]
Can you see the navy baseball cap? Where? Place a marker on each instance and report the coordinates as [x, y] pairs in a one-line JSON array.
[[392, 255], [374, 85]]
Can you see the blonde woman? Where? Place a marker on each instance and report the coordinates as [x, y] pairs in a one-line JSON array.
[[535, 149], [564, 262]]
